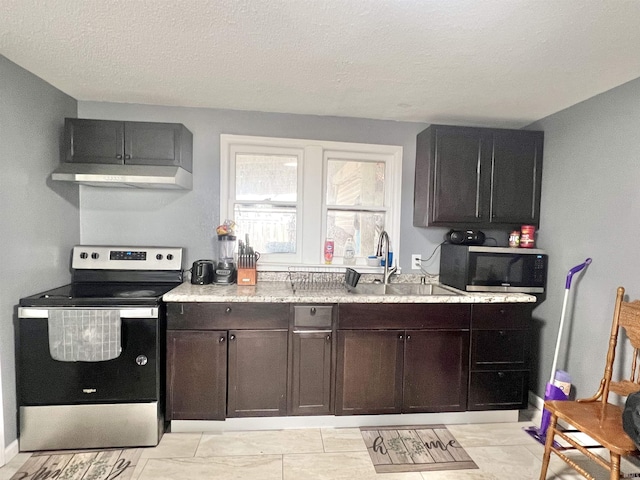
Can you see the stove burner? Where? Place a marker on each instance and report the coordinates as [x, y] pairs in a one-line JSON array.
[[135, 294]]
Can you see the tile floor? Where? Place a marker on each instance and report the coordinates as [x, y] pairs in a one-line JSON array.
[[502, 451]]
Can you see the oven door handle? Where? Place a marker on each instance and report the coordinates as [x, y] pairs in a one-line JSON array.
[[146, 312]]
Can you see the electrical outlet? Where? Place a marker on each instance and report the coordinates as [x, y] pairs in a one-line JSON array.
[[416, 261]]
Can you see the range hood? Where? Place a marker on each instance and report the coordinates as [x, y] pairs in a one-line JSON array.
[[131, 176]]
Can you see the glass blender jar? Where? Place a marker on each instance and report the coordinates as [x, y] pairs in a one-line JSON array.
[[225, 271]]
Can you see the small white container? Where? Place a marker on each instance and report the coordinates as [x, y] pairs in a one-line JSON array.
[[373, 261]]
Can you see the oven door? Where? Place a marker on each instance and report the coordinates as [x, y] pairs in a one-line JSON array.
[[133, 376]]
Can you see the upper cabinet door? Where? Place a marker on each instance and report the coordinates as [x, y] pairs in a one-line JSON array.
[[457, 176], [152, 143], [94, 141], [516, 171]]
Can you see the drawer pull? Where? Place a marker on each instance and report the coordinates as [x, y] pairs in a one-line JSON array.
[[221, 340], [502, 333], [228, 310], [232, 337], [313, 311], [500, 374]]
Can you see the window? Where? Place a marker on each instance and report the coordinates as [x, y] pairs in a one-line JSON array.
[[288, 195]]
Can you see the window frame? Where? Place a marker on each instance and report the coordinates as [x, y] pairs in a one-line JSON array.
[[311, 198]]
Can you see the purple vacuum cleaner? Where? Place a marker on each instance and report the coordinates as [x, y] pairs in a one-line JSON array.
[[559, 384]]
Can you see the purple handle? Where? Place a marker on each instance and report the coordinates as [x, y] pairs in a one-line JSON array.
[[575, 270]]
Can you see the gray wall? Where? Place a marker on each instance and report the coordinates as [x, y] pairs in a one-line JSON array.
[[189, 218], [39, 221], [590, 208]]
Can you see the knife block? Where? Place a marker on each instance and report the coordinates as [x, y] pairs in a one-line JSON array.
[[247, 276]]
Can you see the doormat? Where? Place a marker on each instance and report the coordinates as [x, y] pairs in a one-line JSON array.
[[80, 465], [415, 449]]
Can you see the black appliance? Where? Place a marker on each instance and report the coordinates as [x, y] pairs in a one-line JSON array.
[[90, 359], [202, 272], [493, 269], [465, 237]]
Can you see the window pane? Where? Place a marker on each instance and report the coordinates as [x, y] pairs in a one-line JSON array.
[[355, 183], [266, 177], [363, 227], [271, 229]]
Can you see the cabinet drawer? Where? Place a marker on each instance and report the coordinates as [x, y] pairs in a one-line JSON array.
[[373, 316], [500, 316], [222, 316], [313, 316], [499, 349], [498, 390]]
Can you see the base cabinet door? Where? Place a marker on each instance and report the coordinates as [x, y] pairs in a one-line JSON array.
[[310, 387], [196, 375], [436, 369], [257, 379], [369, 372]]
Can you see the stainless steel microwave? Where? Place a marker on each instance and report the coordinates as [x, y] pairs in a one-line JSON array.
[[493, 269]]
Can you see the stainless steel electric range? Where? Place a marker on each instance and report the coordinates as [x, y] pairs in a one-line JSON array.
[[90, 355]]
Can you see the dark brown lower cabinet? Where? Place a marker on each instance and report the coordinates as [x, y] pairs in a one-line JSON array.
[[499, 356], [310, 376], [436, 368], [196, 375], [394, 371], [257, 373], [369, 372]]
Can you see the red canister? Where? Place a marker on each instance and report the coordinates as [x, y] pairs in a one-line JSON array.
[[527, 236]]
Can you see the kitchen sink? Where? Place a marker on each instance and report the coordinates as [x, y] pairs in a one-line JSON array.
[[401, 289]]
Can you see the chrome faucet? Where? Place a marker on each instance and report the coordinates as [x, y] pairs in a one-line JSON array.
[[383, 251]]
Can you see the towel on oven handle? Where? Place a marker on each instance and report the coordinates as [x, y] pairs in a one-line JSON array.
[[83, 335]]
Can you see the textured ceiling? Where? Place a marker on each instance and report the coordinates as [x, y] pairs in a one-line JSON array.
[[481, 62]]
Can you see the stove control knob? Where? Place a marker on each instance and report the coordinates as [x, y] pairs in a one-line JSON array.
[[169, 256], [159, 256], [141, 360], [84, 255], [95, 255]]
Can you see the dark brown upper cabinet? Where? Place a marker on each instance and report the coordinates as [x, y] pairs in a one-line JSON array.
[[468, 177], [130, 143]]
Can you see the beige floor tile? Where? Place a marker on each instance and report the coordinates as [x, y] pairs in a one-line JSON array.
[[460, 475], [261, 467], [7, 471], [174, 445], [342, 440], [506, 462], [260, 443], [337, 466], [495, 434]]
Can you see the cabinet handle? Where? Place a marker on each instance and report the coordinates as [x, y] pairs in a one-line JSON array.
[[232, 337], [221, 339], [328, 338], [228, 310], [500, 374], [502, 333], [312, 311], [502, 311], [127, 157], [119, 156], [408, 337], [400, 337]]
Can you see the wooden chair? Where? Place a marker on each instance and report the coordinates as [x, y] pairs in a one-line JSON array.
[[595, 416]]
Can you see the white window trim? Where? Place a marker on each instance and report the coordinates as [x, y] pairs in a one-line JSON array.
[[312, 166]]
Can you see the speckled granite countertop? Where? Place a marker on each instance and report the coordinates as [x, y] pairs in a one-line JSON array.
[[281, 292]]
